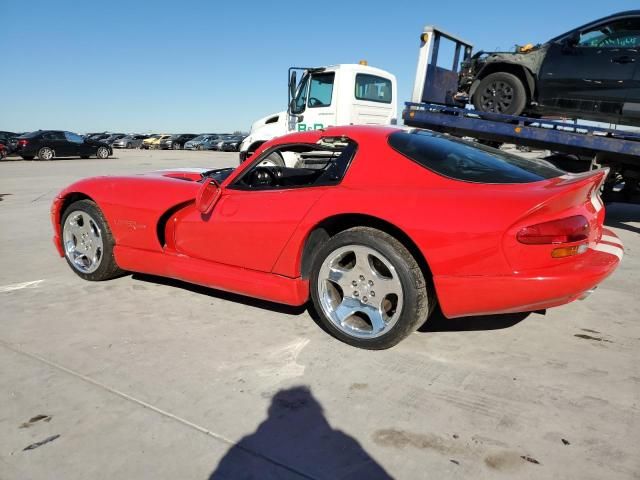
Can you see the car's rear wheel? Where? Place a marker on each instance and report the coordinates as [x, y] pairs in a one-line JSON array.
[[129, 145], [367, 289], [500, 92], [102, 153], [87, 242], [45, 153]]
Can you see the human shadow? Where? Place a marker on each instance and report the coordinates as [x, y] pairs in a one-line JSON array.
[[437, 322], [295, 441], [618, 215]]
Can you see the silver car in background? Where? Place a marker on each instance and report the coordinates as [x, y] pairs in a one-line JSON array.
[[129, 141], [197, 143]]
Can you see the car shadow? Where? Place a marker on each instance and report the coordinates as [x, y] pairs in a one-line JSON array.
[[619, 215], [437, 322], [297, 441], [211, 292]]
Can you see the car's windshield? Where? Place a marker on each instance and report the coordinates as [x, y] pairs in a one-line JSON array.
[[471, 162]]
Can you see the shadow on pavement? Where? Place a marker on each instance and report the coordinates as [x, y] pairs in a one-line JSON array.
[[211, 292], [296, 441], [618, 215], [437, 322]]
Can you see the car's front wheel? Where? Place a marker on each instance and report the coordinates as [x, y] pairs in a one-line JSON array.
[[102, 153], [176, 146], [500, 92], [367, 289], [87, 242]]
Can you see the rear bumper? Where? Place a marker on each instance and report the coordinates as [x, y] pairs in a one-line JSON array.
[[531, 290]]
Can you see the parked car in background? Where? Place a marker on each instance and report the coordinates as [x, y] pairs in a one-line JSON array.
[[48, 144], [196, 143], [217, 143], [98, 136], [176, 142], [112, 138], [212, 142], [9, 140], [129, 141], [153, 140], [231, 144], [588, 73]]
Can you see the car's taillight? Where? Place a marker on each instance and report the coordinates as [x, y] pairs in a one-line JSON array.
[[565, 230], [22, 143]]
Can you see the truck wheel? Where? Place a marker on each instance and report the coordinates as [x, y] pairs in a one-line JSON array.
[[500, 92]]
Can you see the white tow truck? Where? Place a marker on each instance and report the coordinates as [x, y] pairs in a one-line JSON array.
[[345, 94]]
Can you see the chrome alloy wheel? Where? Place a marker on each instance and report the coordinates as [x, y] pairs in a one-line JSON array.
[[102, 153], [83, 243], [360, 291], [45, 153]]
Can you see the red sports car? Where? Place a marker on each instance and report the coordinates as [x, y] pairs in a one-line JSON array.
[[374, 225]]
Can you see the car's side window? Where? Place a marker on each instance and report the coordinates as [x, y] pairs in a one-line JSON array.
[[619, 34], [299, 165], [54, 136], [72, 137]]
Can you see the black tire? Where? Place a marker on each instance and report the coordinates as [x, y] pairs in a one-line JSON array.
[[46, 153], [128, 145], [176, 146], [108, 267], [500, 92], [28, 157], [415, 291]]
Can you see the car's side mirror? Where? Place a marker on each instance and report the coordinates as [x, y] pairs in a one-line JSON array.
[[207, 196], [572, 40]]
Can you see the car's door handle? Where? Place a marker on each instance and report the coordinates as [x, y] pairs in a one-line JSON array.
[[623, 59]]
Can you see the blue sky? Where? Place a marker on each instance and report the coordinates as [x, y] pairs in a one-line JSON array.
[[194, 66]]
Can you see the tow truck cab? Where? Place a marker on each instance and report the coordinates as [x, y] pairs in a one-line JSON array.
[[345, 94]]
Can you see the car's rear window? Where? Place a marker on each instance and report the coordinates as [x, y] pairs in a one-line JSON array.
[[467, 161]]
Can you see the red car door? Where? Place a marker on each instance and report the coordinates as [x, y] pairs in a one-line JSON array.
[[247, 228]]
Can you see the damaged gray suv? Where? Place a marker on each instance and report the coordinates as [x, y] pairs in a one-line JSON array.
[[592, 73]]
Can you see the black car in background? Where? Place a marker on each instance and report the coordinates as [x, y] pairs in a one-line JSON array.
[[231, 144], [591, 72], [176, 142], [47, 144]]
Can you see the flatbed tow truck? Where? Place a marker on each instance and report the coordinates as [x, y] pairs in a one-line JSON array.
[[575, 147]]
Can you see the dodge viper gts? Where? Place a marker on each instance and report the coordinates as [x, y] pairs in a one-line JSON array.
[[371, 225]]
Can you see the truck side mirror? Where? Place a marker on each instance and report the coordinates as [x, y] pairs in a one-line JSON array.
[[572, 40], [292, 86]]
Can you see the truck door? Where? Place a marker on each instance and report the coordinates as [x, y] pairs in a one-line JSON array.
[[320, 111], [592, 71], [372, 100]]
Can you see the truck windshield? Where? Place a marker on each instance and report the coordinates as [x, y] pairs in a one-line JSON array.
[[298, 105]]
